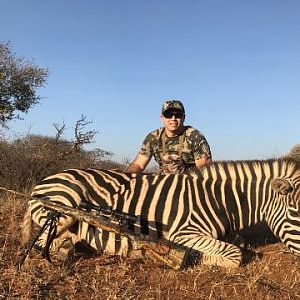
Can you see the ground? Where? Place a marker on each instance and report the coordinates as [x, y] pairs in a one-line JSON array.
[[274, 274]]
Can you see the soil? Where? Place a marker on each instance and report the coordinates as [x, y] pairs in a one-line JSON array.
[[273, 273]]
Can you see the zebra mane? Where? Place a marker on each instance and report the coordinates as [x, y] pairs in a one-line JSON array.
[[215, 164]]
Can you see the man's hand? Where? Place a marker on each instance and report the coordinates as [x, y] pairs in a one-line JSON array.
[[139, 164]]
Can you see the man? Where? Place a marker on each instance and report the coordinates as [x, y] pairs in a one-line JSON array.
[[175, 147]]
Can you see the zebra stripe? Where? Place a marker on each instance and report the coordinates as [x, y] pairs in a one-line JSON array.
[[195, 210]]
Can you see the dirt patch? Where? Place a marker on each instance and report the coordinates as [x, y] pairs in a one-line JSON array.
[[274, 275]]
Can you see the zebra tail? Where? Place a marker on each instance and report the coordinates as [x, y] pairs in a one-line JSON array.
[[26, 227]]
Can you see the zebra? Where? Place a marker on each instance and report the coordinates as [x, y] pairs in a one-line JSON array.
[[193, 210], [71, 187]]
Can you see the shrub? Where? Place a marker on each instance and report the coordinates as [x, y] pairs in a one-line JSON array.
[[295, 152], [26, 161]]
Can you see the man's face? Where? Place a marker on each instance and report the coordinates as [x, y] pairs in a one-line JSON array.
[[172, 119]]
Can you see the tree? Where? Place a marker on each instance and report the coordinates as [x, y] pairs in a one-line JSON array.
[[19, 81]]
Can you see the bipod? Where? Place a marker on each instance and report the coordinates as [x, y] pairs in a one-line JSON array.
[[51, 222]]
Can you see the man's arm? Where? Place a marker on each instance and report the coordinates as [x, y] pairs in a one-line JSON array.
[[201, 149], [139, 164], [202, 161]]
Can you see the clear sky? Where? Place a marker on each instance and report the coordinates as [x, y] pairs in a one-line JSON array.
[[234, 64]]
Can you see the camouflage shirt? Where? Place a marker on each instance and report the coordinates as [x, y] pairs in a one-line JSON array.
[[176, 154]]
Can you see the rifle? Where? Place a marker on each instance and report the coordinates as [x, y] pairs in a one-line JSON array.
[[175, 256]]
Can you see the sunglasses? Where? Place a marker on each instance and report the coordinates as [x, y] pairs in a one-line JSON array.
[[170, 114]]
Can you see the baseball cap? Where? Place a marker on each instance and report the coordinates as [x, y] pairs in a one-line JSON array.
[[173, 104]]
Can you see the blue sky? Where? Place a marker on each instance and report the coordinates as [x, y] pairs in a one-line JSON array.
[[234, 64]]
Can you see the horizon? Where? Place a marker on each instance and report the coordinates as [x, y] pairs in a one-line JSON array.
[[234, 65]]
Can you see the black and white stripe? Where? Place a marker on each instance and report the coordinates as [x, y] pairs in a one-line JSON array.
[[194, 210]]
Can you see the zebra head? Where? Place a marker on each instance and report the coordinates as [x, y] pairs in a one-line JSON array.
[[286, 217]]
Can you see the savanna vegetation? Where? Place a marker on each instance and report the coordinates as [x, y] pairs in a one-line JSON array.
[[272, 274]]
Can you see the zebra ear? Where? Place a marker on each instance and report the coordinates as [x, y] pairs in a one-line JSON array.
[[281, 186]]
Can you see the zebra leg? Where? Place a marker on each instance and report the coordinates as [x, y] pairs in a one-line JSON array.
[[235, 239], [39, 216], [62, 225], [64, 245], [46, 237], [103, 241], [214, 252]]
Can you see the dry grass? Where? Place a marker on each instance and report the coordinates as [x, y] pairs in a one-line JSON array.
[[275, 276]]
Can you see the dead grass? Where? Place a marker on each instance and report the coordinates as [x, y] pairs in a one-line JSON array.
[[274, 276]]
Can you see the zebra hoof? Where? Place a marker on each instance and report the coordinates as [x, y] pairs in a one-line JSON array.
[[65, 252], [236, 239], [250, 256]]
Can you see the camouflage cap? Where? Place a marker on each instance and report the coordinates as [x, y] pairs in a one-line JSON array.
[[172, 104]]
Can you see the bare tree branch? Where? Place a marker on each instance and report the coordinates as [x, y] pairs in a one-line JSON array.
[[81, 137], [59, 130]]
